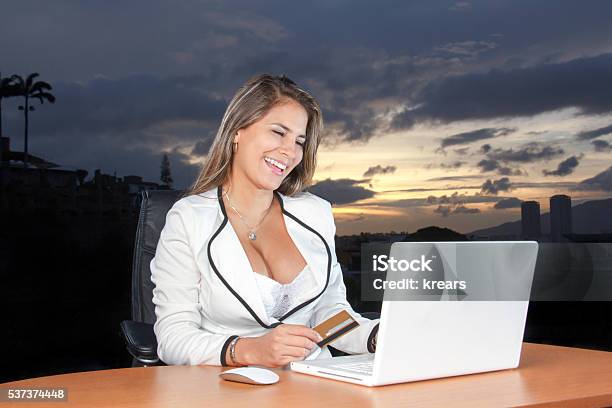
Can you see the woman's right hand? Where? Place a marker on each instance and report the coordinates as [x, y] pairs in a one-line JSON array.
[[282, 345]]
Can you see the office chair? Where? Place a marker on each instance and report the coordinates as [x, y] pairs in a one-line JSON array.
[[138, 332]]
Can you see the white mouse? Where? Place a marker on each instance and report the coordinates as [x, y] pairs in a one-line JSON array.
[[250, 375]]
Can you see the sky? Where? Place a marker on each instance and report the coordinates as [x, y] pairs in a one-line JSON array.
[[446, 113]]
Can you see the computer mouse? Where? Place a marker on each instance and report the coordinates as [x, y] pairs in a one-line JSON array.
[[250, 375]]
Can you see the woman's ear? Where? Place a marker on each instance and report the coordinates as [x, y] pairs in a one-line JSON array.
[[237, 137]]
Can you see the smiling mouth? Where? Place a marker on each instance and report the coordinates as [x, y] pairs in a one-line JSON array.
[[276, 166]]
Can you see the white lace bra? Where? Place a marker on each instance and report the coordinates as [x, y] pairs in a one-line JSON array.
[[279, 298]]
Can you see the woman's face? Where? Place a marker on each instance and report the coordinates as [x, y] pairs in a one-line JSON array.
[[269, 149]]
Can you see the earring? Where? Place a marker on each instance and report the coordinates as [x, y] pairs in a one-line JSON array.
[[235, 147]]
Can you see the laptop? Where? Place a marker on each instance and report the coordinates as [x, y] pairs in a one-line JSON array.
[[427, 339]]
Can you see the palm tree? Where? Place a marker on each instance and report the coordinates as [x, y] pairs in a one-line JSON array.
[[30, 89], [8, 88]]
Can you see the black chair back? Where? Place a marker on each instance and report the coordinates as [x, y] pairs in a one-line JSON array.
[[154, 206]]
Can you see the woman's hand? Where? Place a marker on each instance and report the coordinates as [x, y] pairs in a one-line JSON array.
[[282, 345]]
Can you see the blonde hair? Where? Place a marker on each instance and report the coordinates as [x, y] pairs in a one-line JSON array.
[[251, 102]]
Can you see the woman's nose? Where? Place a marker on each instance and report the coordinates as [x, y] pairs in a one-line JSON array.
[[288, 147]]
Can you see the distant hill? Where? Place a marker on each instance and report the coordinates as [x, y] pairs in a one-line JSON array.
[[591, 217], [434, 234]]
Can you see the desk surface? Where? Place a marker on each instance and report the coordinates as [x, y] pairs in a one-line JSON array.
[[547, 375]]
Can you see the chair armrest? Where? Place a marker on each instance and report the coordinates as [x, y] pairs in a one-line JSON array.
[[371, 315], [140, 341]]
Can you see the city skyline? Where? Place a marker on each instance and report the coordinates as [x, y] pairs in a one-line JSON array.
[[437, 114]]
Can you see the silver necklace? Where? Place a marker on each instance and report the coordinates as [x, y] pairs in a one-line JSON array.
[[252, 235]]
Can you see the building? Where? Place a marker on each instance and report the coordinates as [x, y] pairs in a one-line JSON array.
[[560, 217], [530, 220], [42, 185]]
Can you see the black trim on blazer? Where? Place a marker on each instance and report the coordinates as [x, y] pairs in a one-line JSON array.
[[228, 286], [224, 350]]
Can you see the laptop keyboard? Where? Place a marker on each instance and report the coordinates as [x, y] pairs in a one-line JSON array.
[[362, 367]]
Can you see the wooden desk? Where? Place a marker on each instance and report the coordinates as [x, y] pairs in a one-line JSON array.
[[548, 376]]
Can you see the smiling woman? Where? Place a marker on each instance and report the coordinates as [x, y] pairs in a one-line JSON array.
[[246, 266]]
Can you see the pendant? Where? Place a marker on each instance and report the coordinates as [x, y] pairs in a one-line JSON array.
[[252, 235]]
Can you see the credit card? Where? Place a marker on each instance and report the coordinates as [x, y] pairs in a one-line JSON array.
[[335, 327]]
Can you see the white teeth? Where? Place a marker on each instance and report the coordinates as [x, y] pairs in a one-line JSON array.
[[275, 163]]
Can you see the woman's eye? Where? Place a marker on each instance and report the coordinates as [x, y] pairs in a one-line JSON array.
[[278, 132], [300, 142]]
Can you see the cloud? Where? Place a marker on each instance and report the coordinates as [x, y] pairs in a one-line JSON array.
[[260, 27], [378, 169], [447, 166], [462, 151], [601, 145], [545, 184], [467, 48], [511, 202], [487, 165], [461, 5], [341, 191], [564, 168], [446, 210], [474, 135], [528, 153], [600, 182], [202, 147], [485, 148], [456, 199], [592, 134], [134, 103], [455, 178], [582, 83], [493, 187]]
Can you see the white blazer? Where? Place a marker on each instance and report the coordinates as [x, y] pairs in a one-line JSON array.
[[205, 291]]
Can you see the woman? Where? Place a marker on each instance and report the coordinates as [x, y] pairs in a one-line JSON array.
[[245, 265]]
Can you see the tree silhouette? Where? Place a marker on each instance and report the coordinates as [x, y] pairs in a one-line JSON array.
[[30, 89], [8, 88], [166, 178]]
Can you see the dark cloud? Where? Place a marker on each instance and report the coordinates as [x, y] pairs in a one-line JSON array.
[[508, 171], [473, 136], [134, 103], [600, 182], [583, 83], [202, 147], [456, 199], [446, 210], [460, 5], [601, 145], [459, 199], [493, 187], [487, 165], [341, 191], [447, 166], [461, 209], [528, 153], [485, 148], [545, 184], [455, 178], [592, 134], [511, 202], [378, 169], [564, 168]]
